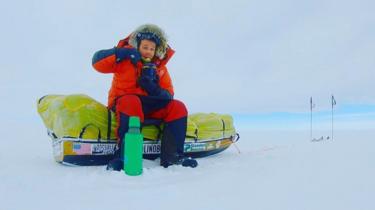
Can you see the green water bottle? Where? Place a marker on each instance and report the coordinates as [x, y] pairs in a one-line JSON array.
[[133, 152]]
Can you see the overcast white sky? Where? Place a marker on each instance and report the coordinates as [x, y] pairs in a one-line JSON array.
[[231, 56]]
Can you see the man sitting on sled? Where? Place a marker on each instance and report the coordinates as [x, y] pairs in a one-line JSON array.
[[142, 87]]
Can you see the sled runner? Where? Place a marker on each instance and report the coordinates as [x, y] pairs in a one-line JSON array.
[[75, 151]]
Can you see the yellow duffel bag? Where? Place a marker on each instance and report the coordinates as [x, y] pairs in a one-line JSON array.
[[77, 116], [80, 116]]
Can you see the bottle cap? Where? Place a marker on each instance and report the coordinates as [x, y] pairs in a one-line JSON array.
[[134, 122]]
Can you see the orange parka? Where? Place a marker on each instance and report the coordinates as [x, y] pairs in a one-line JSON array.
[[126, 74]]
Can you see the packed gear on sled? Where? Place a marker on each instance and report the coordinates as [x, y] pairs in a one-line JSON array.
[[83, 131]]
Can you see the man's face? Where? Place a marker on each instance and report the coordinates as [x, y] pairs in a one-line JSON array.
[[147, 49]]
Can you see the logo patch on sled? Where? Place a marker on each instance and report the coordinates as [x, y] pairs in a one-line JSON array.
[[195, 147], [151, 149], [103, 149]]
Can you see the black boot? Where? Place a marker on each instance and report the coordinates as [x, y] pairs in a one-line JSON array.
[[117, 163], [172, 144]]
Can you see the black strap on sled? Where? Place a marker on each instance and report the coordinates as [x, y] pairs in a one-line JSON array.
[[223, 127], [41, 99], [109, 124], [84, 130]]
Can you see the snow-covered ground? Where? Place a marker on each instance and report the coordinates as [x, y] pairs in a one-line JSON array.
[[251, 59], [276, 169]]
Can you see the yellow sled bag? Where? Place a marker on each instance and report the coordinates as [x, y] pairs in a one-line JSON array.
[[77, 116]]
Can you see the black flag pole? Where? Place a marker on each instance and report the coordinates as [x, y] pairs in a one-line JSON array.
[[311, 110], [333, 103]]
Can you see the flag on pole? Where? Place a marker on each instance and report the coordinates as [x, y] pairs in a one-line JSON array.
[[333, 101], [312, 105]]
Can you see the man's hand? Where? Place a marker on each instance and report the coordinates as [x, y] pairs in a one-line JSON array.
[[149, 81], [128, 53]]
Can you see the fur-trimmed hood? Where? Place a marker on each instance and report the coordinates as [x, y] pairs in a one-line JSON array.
[[161, 49]]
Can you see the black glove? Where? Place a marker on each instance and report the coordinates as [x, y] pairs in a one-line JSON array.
[[149, 72], [149, 81], [127, 53]]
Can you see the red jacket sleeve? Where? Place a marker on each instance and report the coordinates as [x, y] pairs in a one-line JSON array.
[[104, 61], [166, 81]]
